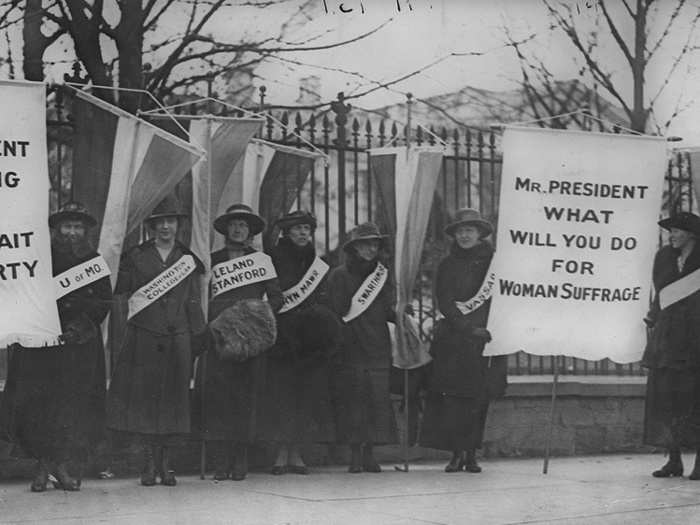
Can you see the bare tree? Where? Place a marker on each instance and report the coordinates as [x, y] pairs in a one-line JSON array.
[[652, 22]]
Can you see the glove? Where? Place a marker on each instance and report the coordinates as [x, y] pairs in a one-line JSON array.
[[482, 333], [649, 322], [78, 331]]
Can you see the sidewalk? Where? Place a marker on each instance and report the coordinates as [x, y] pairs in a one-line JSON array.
[[592, 490]]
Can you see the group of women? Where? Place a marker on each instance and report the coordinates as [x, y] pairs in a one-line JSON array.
[[291, 351]]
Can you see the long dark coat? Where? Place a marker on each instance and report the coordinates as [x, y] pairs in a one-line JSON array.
[[53, 404], [296, 405], [228, 392], [361, 371], [149, 392], [462, 381], [672, 414]]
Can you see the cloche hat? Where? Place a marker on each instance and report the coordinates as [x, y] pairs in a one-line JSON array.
[[72, 211], [683, 221], [363, 232], [294, 218], [168, 207], [469, 216]]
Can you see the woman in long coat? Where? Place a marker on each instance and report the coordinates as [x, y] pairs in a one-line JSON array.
[[149, 393], [462, 381], [297, 407], [232, 390], [361, 294], [53, 404], [672, 417]]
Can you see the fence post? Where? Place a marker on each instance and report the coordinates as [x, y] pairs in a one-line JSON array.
[[341, 111]]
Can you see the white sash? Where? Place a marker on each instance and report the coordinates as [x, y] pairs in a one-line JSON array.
[[80, 275], [367, 292], [301, 291], [241, 271], [161, 284], [680, 289], [483, 295]]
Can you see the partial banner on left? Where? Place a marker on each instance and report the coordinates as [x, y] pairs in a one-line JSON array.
[[29, 314]]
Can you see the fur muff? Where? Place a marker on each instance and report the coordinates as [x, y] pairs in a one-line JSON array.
[[244, 330], [319, 331]]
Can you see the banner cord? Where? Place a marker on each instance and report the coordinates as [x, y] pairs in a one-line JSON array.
[[579, 111]]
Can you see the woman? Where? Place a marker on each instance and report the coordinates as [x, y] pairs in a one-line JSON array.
[[230, 388], [462, 380], [53, 404], [149, 394], [672, 417], [361, 294], [296, 407]]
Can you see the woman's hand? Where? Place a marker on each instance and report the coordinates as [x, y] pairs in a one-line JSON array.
[[482, 333]]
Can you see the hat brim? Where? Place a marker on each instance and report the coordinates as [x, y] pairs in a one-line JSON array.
[[284, 224], [57, 218], [349, 244], [256, 224], [675, 222], [484, 226], [162, 215]]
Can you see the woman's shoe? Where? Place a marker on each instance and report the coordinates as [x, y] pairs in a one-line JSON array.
[[167, 474], [278, 470], [298, 469], [148, 473], [64, 480], [240, 463], [355, 460], [456, 464], [41, 478], [671, 469], [369, 464], [470, 464]]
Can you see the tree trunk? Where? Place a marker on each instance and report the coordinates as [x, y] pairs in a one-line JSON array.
[[34, 41], [129, 40], [639, 112]]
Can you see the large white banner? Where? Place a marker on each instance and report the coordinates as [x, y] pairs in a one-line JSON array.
[[29, 313], [576, 240]]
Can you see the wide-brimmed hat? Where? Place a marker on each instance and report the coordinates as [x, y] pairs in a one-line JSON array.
[[168, 207], [363, 232], [72, 211], [472, 217], [294, 218], [256, 224], [683, 221]]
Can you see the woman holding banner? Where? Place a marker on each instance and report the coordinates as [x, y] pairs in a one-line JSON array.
[[53, 404], [242, 327], [297, 407], [462, 381], [149, 393], [672, 416], [360, 292]]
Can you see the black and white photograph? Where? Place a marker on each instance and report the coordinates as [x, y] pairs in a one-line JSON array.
[[358, 262]]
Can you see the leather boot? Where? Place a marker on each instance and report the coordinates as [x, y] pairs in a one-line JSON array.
[[240, 462], [470, 464], [41, 478], [64, 480], [221, 460], [456, 464], [355, 459], [167, 474], [673, 467], [369, 464], [148, 474], [695, 474]]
